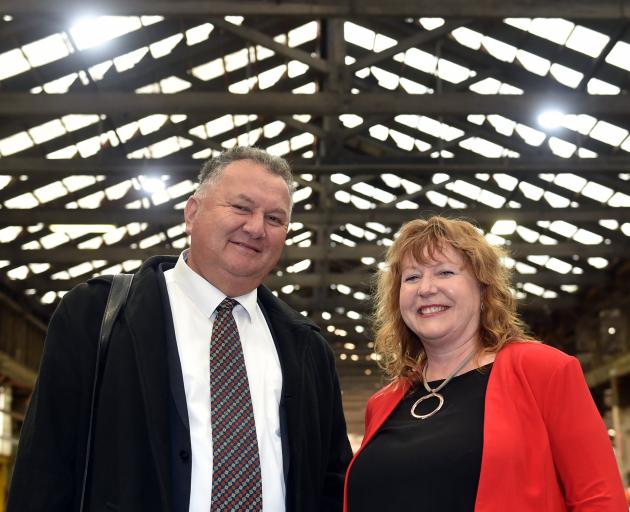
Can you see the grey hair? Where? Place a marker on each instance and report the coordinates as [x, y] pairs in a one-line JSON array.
[[213, 169]]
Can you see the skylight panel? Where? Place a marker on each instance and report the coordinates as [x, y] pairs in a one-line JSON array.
[[47, 131], [406, 205], [531, 191], [498, 49], [534, 289], [509, 89], [618, 56], [561, 147], [244, 86], [570, 181], [452, 72], [486, 86], [63, 153], [74, 122], [608, 133], [296, 68], [236, 60], [48, 49], [373, 192], [15, 143], [419, 59], [437, 198], [93, 31], [385, 78], [465, 189], [565, 75], [529, 235], [378, 131], [562, 267], [584, 236], [300, 35], [586, 153], [597, 192], [18, 274], [341, 240], [555, 200], [412, 87], [402, 140], [198, 34], [494, 239], [50, 192], [587, 41], [270, 77], [503, 227], [505, 181], [598, 262], [502, 124], [431, 23], [410, 187], [359, 35], [436, 128], [383, 42], [530, 135], [477, 119], [129, 60], [611, 224], [619, 200], [563, 228], [483, 147], [339, 178], [597, 86], [533, 63], [467, 37], [553, 29], [209, 70], [5, 180], [520, 23], [582, 123], [13, 63], [9, 233], [538, 259], [625, 228], [309, 88]]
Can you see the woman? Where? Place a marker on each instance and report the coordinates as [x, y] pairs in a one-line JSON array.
[[476, 417]]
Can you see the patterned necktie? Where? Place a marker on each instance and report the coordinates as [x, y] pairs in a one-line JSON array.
[[236, 480]]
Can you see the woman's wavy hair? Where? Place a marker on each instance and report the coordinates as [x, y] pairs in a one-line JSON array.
[[401, 352]]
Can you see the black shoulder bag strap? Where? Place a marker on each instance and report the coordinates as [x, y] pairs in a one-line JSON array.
[[115, 300]]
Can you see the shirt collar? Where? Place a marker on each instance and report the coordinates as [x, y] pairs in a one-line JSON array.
[[204, 294]]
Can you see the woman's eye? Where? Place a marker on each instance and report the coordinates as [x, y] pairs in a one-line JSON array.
[[411, 278], [447, 273]]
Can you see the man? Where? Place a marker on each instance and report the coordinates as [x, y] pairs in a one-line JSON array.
[[161, 431]]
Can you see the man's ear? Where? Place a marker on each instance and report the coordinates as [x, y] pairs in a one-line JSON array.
[[190, 212]]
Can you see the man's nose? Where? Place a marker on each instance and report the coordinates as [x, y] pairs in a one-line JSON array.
[[255, 225]]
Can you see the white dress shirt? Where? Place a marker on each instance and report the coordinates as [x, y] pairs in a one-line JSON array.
[[193, 301]]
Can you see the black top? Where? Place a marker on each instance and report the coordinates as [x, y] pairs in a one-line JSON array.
[[429, 465]]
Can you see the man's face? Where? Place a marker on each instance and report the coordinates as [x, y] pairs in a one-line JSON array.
[[238, 226]]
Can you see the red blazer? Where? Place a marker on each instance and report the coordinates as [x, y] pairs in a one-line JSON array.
[[545, 447]]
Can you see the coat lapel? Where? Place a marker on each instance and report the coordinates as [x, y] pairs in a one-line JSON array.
[[144, 316]]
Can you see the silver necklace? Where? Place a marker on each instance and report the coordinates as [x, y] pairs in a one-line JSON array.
[[434, 393]]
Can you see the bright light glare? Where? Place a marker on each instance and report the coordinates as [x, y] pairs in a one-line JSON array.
[[551, 119], [89, 31], [152, 185]]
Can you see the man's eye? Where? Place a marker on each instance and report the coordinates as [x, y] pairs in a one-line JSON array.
[[276, 221], [240, 207]]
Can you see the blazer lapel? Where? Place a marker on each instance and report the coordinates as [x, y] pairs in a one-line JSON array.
[[150, 349]]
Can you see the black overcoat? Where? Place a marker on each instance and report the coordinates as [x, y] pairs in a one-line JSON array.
[[139, 450]]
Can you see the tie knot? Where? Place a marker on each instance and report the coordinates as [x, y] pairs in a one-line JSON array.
[[227, 304]]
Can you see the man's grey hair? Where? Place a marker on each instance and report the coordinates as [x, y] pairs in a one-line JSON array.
[[213, 169]]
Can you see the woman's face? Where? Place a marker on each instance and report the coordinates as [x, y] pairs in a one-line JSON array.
[[440, 301]]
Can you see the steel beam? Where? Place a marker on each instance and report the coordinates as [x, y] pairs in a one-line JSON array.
[[576, 9], [72, 255], [177, 166], [279, 103], [170, 217]]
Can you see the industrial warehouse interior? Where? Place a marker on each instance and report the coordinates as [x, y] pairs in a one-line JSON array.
[[512, 115]]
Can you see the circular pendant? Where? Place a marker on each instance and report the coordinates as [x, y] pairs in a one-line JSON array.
[[422, 399]]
